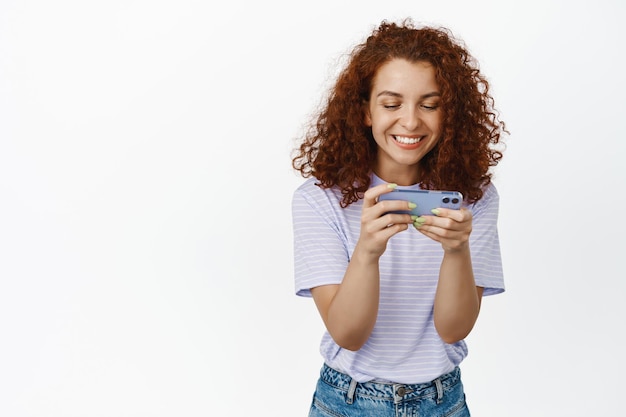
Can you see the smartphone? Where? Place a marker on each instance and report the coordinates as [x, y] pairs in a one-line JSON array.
[[426, 200]]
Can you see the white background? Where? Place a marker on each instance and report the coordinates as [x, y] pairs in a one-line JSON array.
[[145, 189]]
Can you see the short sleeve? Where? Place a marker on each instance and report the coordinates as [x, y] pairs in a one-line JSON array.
[[320, 248], [485, 243]]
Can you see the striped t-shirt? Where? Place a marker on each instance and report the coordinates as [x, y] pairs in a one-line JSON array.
[[404, 346]]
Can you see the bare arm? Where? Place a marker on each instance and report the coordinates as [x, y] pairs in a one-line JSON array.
[[457, 300], [349, 310]]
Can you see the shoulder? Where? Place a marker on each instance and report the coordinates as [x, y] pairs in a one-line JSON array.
[[490, 195], [489, 201], [311, 193], [307, 187]]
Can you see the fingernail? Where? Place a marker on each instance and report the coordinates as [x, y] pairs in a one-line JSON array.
[[419, 221], [412, 205], [414, 217], [392, 185], [435, 212]]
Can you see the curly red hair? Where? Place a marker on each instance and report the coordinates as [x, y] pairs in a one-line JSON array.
[[339, 149]]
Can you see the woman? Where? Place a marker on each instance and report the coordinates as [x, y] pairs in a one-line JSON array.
[[398, 294]]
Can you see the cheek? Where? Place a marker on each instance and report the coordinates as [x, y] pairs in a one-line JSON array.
[[382, 120], [436, 125], [379, 136]]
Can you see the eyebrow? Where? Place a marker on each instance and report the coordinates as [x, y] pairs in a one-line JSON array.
[[394, 94]]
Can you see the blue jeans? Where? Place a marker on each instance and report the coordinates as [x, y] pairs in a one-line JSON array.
[[338, 395]]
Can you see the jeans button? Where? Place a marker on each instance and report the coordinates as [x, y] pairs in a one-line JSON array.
[[401, 391]]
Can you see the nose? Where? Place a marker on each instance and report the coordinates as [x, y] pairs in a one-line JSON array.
[[410, 119]]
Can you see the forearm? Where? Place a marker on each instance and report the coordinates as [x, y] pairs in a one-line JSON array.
[[350, 309], [353, 310], [457, 301]]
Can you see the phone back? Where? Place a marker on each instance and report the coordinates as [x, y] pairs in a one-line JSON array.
[[426, 200]]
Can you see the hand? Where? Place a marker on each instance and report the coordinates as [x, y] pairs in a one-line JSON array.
[[451, 228], [378, 224]]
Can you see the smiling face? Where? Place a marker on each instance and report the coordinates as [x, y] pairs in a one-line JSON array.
[[403, 112]]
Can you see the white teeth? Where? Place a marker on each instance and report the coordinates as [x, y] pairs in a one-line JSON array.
[[407, 141]]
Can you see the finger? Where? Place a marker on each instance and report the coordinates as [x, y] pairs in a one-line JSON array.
[[461, 215], [393, 206], [441, 226], [448, 243], [441, 233], [381, 231], [377, 224], [428, 234], [371, 195], [395, 218], [391, 230]]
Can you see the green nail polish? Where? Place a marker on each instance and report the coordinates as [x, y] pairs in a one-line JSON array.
[[412, 205], [414, 217], [392, 185], [435, 212], [420, 220]]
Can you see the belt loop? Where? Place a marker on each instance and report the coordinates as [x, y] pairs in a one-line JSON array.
[[439, 386], [351, 391]]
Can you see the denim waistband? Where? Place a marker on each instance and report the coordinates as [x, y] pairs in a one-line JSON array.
[[390, 391]]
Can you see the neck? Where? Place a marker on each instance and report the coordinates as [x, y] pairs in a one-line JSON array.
[[409, 176]]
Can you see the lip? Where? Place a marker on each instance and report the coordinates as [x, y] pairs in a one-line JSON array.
[[409, 146]]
